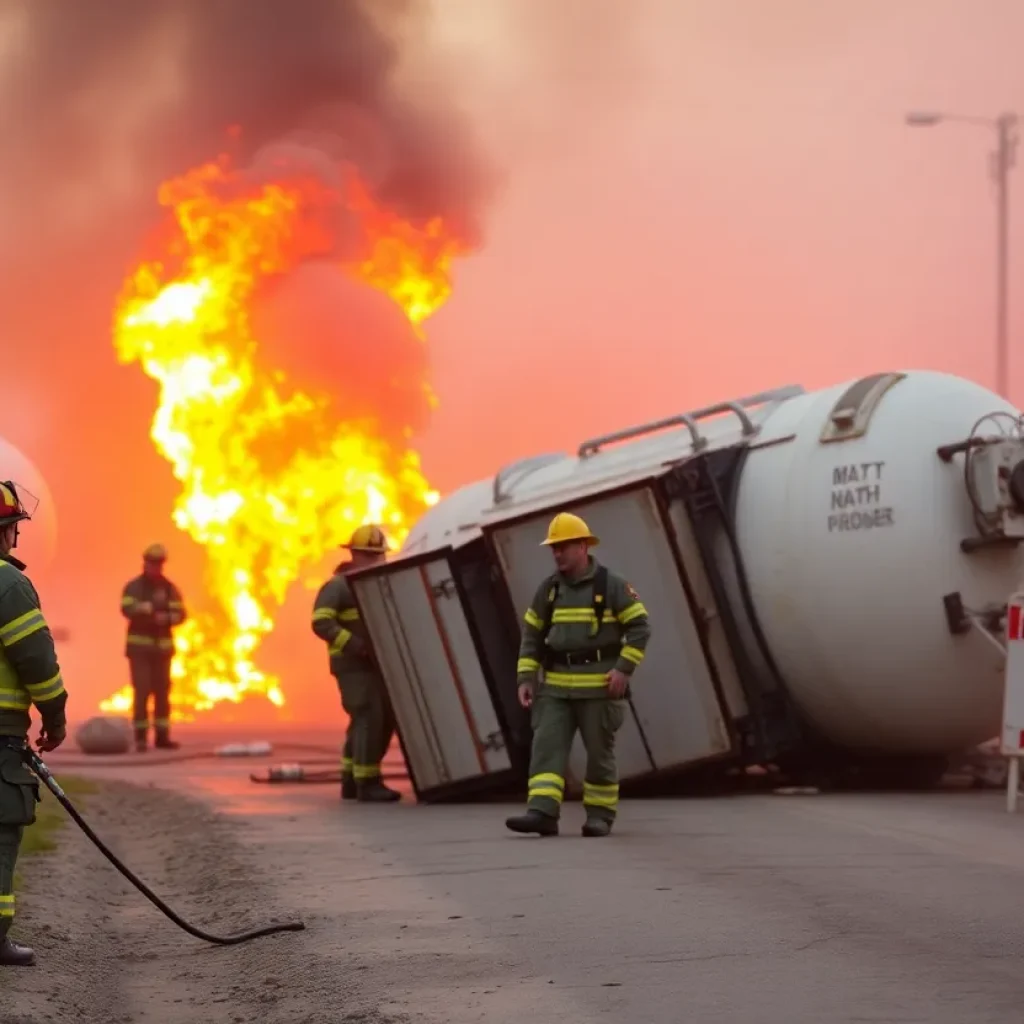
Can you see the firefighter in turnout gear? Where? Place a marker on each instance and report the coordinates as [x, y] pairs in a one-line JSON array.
[[371, 725], [29, 674], [153, 606], [587, 630]]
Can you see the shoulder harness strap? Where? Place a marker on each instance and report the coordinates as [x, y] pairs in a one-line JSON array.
[[600, 601], [600, 596], [549, 607]]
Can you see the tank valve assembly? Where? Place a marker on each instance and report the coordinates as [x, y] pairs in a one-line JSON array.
[[993, 480]]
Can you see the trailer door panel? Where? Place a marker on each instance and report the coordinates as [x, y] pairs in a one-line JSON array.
[[427, 655], [677, 716]]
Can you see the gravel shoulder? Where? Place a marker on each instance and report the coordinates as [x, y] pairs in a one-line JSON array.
[[105, 954]]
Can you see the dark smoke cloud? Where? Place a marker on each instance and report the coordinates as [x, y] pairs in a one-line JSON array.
[[75, 94]]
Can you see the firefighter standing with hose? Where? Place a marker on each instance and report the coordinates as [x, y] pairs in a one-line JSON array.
[[371, 724], [153, 606], [29, 674], [588, 630]]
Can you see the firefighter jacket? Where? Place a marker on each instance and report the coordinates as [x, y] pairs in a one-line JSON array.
[[29, 671], [564, 636], [149, 629], [336, 621]]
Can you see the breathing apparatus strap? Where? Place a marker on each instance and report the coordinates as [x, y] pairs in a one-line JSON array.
[[599, 602]]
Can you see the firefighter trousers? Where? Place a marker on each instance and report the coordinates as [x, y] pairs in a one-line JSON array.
[[151, 681], [19, 792], [10, 844], [555, 721], [371, 723]]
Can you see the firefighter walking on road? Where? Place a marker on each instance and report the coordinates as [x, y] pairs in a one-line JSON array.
[[153, 606], [587, 630], [371, 724], [29, 674]]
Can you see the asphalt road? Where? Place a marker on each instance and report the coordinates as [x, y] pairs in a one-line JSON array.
[[768, 909]]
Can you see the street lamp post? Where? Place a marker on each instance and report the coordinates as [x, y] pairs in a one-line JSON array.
[[1003, 158]]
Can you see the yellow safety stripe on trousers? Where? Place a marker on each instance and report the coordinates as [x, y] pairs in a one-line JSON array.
[[21, 627], [546, 784], [127, 602], [579, 615], [601, 796], [531, 618], [346, 765], [365, 771], [7, 904], [47, 689], [633, 654], [175, 606], [634, 611], [162, 723], [14, 700], [141, 723], [163, 643], [349, 615], [527, 665], [337, 645], [324, 613], [575, 679]]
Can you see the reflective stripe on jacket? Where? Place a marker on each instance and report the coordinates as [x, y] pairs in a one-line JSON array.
[[335, 619], [145, 633], [579, 651], [29, 670]]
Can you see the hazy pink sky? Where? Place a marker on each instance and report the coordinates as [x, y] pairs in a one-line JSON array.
[[734, 203], [703, 198]]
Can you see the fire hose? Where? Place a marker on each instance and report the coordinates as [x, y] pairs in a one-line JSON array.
[[35, 763]]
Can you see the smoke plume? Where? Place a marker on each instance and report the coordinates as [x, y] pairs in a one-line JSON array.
[[105, 100]]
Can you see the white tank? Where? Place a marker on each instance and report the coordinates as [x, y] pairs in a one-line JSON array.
[[848, 549]]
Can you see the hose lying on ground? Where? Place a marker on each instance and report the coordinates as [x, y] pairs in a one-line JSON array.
[[35, 763], [149, 760]]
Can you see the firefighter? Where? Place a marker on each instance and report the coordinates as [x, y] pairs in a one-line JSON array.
[[371, 725], [29, 674], [587, 629], [153, 606]]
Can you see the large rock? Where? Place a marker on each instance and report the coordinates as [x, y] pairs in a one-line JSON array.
[[103, 735]]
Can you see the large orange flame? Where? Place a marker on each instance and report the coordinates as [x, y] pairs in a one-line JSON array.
[[271, 480]]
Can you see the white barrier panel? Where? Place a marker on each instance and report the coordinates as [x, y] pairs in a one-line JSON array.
[[1013, 699]]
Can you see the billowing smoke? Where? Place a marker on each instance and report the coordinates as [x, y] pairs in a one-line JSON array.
[[109, 99], [102, 102]]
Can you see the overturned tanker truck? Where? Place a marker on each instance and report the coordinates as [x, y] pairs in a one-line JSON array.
[[826, 575]]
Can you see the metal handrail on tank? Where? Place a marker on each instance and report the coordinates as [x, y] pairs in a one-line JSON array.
[[519, 469], [690, 420]]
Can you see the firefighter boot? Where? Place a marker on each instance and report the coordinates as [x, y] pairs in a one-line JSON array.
[[164, 741], [373, 791], [533, 821], [140, 741], [594, 827], [14, 954], [348, 787]]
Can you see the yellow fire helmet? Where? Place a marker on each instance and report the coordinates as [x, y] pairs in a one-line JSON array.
[[11, 508], [566, 527], [155, 553], [368, 538]]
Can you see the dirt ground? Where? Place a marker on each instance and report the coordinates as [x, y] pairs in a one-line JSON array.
[[107, 955], [773, 910]]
